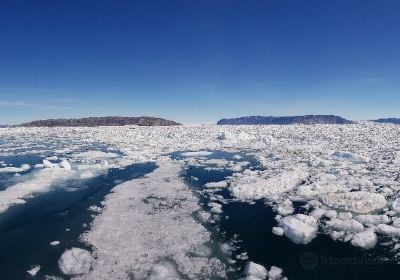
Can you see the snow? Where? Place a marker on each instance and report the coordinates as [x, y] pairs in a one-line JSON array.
[[34, 270], [299, 228], [75, 261]]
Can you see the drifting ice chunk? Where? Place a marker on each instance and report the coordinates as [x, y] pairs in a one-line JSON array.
[[196, 154], [164, 271], [252, 187], [389, 230], [373, 219], [286, 208], [349, 156], [345, 225], [275, 273], [65, 164], [301, 229], [34, 270], [358, 202], [132, 235], [396, 205], [10, 169], [48, 164], [54, 243], [278, 231], [221, 184], [256, 270], [95, 209], [366, 239], [75, 261], [215, 207], [95, 155]]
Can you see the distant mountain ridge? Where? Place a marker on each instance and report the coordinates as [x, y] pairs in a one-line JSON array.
[[286, 120], [101, 121], [388, 120]]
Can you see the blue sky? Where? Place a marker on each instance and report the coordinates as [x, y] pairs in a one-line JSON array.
[[198, 60]]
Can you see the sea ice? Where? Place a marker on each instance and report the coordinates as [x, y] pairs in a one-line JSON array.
[[366, 239], [221, 184], [299, 228], [358, 202], [256, 270], [34, 270], [153, 215], [164, 271], [11, 169], [252, 186], [75, 261], [275, 273]]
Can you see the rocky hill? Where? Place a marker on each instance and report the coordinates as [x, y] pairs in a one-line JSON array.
[[308, 119], [388, 120], [101, 121]]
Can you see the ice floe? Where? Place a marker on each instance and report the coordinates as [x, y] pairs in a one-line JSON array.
[[253, 185], [366, 239], [153, 215], [346, 177], [358, 202], [34, 270], [75, 261], [11, 169], [301, 229]]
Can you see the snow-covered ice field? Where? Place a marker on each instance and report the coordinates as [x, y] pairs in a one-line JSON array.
[[319, 199]]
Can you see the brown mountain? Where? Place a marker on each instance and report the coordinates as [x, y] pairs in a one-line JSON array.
[[100, 121]]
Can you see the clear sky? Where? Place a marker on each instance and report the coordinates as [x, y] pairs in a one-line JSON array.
[[198, 60]]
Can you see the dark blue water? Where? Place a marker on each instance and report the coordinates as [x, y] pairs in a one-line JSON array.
[[323, 258], [27, 230]]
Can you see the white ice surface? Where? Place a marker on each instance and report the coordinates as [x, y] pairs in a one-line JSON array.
[[75, 261], [301, 229], [366, 239], [352, 168], [12, 169], [256, 270], [34, 270], [146, 221]]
